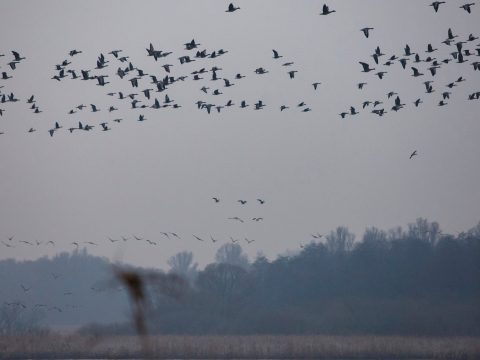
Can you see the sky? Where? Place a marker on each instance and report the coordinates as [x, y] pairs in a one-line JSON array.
[[314, 170]]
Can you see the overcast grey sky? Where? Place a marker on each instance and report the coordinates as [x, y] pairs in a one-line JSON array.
[[315, 170]]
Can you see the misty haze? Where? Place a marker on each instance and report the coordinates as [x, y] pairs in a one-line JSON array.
[[257, 179]]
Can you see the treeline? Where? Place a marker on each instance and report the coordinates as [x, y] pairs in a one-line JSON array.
[[417, 281], [413, 281]]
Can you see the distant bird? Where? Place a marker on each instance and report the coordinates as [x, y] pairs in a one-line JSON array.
[[74, 52], [90, 243], [416, 72], [315, 85], [24, 288], [366, 31], [17, 56], [243, 202], [467, 7], [418, 102], [326, 10], [366, 68], [236, 218], [198, 238], [276, 55], [231, 8], [292, 73], [436, 5], [413, 154], [261, 201], [249, 241], [257, 219], [216, 199], [361, 85]]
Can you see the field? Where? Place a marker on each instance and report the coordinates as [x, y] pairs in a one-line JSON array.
[[240, 347]]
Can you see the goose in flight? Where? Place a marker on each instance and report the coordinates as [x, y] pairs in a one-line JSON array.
[[232, 8], [259, 105], [436, 5], [315, 85], [261, 201], [326, 10], [236, 218], [276, 55], [217, 200], [416, 72], [17, 56], [366, 68], [243, 202], [24, 288], [198, 238], [467, 7], [191, 45], [413, 154], [260, 71], [366, 31]]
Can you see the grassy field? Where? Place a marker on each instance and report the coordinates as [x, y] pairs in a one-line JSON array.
[[240, 347]]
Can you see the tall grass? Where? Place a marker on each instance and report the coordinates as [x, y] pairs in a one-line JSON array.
[[241, 347]]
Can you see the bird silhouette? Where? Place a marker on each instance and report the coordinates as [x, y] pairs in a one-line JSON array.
[[231, 8], [467, 7], [366, 31], [436, 5], [326, 10]]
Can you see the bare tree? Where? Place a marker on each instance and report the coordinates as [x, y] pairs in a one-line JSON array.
[[340, 240], [232, 254], [182, 264]]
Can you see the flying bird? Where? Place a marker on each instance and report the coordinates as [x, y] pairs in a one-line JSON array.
[[231, 8], [326, 10], [413, 154], [366, 31], [436, 5], [467, 7]]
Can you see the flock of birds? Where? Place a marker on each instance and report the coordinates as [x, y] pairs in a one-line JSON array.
[[149, 91], [11, 242]]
